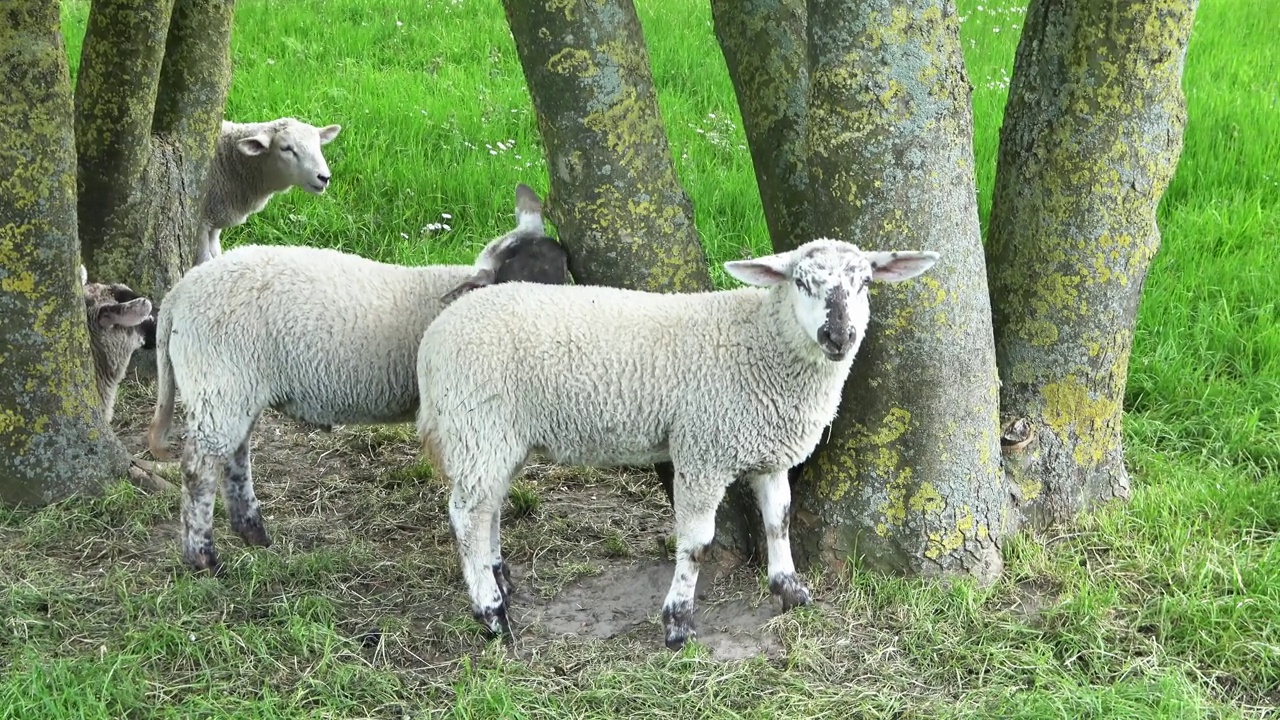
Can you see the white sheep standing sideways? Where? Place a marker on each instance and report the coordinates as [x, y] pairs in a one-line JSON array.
[[322, 336], [251, 163], [725, 385]]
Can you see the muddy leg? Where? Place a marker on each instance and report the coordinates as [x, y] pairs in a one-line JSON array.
[[773, 494], [199, 488], [501, 573], [242, 503], [696, 500], [471, 514]]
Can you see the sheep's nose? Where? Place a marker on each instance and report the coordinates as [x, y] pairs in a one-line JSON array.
[[323, 178]]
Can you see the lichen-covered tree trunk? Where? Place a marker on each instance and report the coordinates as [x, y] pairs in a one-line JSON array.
[[149, 100], [53, 439], [909, 479], [614, 197], [764, 47], [1091, 137]]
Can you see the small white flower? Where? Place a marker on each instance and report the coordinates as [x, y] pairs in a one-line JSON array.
[[270, 61], [446, 216], [399, 24], [404, 235]]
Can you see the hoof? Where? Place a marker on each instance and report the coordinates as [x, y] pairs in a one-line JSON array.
[[502, 575], [206, 562], [254, 535], [789, 590], [495, 622], [679, 625]]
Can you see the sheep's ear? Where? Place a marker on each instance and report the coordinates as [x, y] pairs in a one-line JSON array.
[[125, 314], [254, 144], [528, 209], [763, 271], [483, 277], [328, 133], [900, 265], [84, 276]]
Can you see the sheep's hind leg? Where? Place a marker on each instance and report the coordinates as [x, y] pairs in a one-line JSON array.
[[773, 495], [242, 502], [501, 572], [199, 489], [696, 500], [472, 506]]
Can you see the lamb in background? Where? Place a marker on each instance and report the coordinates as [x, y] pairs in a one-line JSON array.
[[322, 336], [251, 163], [724, 385], [120, 321]]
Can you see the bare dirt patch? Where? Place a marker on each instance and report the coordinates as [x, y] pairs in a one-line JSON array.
[[587, 548]]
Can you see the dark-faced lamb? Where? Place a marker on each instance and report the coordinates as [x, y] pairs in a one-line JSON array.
[[724, 385], [322, 336], [251, 163], [120, 322]]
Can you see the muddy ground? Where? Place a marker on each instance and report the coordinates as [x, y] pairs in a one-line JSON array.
[[589, 550]]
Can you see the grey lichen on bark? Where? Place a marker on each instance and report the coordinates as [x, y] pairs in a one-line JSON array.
[[614, 198], [1091, 138], [908, 480], [764, 43], [147, 118], [53, 439]]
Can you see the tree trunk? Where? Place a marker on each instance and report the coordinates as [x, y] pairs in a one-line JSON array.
[[1091, 137], [53, 439], [764, 43], [909, 479], [614, 197], [148, 111]]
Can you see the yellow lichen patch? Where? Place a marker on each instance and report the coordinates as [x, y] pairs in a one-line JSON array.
[[568, 7], [1071, 410], [9, 420], [927, 499], [23, 282], [572, 61]]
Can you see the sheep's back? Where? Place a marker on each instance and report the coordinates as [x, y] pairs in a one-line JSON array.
[[600, 376], [326, 337]]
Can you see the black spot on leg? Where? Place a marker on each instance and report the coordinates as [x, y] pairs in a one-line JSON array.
[[246, 521], [678, 622], [789, 590], [495, 622], [502, 575], [201, 557]]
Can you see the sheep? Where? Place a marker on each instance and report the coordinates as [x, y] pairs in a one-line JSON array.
[[251, 163], [120, 321], [723, 385], [322, 336]]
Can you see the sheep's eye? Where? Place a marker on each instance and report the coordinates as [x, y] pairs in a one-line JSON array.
[[286, 148]]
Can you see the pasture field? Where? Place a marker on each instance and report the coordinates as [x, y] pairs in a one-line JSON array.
[[1167, 607]]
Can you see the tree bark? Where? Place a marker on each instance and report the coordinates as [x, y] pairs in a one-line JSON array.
[[149, 103], [53, 439], [614, 197], [1091, 137], [764, 46], [909, 479]]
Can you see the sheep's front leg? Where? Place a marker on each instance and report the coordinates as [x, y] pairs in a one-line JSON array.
[[199, 489], [501, 573], [696, 499], [773, 494], [242, 502]]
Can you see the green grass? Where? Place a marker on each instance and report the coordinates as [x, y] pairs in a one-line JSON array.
[[1167, 607]]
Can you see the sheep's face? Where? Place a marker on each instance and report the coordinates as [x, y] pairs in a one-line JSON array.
[[291, 149], [827, 286], [120, 321]]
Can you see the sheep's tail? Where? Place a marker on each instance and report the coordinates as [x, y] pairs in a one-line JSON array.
[[158, 433]]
